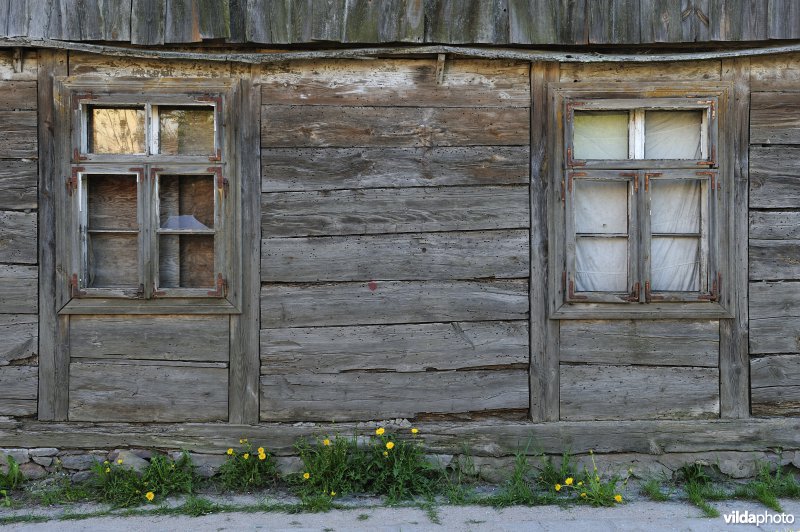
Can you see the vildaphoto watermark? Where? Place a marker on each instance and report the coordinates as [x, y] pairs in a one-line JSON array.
[[752, 518]]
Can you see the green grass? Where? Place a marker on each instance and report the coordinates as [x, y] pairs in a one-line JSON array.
[[248, 468], [13, 478], [654, 490], [768, 486]]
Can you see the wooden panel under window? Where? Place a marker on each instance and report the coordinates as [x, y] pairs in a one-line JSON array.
[[775, 382]]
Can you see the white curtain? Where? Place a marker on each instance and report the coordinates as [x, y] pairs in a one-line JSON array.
[[672, 134], [601, 264], [675, 209], [600, 135]]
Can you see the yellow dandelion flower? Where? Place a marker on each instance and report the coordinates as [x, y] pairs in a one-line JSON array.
[[569, 481], [246, 456], [119, 461], [150, 496], [379, 431], [306, 476], [326, 442], [414, 431], [580, 483], [333, 494], [242, 441], [108, 470], [618, 497], [105, 462], [385, 453], [558, 487], [229, 451], [583, 494], [262, 456], [260, 450], [390, 445]]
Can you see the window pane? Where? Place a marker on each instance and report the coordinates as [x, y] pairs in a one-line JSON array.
[[186, 202], [185, 261], [600, 135], [601, 264], [186, 130], [601, 206], [112, 260], [111, 201], [675, 206], [675, 264], [115, 130], [672, 134]]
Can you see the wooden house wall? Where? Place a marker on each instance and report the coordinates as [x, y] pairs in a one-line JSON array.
[[18, 250]]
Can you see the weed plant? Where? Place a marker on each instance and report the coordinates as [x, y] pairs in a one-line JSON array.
[[767, 487], [700, 488], [248, 468], [13, 478], [654, 490]]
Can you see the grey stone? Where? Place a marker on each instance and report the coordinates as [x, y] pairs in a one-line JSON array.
[[19, 455], [494, 470], [78, 462], [206, 465], [32, 471], [145, 454], [439, 460], [129, 460], [288, 464], [45, 461], [81, 476], [44, 451]]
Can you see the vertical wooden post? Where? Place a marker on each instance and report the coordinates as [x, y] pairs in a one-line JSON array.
[[734, 363], [544, 384], [53, 332], [244, 353]]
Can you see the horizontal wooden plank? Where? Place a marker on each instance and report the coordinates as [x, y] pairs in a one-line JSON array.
[[347, 127], [594, 392], [19, 333], [775, 118], [387, 302], [185, 338], [289, 169], [409, 256], [410, 210], [398, 83], [774, 259], [775, 382], [774, 318], [775, 225], [372, 395], [18, 382], [18, 237], [17, 95], [774, 177], [111, 66], [29, 65], [401, 348], [18, 407], [18, 137], [18, 289], [641, 342], [18, 184], [628, 72], [129, 392]]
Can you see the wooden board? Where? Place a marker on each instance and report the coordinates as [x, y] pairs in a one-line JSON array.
[[398, 83], [371, 395], [17, 95], [775, 118], [17, 407], [18, 382], [20, 337], [392, 302], [638, 392], [641, 342], [401, 348], [286, 169], [776, 385], [371, 211], [767, 70], [29, 65], [629, 72], [347, 127], [775, 225], [774, 320], [17, 237], [411, 256], [186, 338], [547, 22], [18, 134], [17, 184], [774, 259], [134, 392], [110, 66], [774, 177], [18, 289]]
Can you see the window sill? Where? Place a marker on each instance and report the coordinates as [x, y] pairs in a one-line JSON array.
[[691, 310], [153, 306]]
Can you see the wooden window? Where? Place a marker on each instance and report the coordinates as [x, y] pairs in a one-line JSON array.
[[640, 226]]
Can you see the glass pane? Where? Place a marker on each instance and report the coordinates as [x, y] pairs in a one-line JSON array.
[[601, 206], [600, 135], [185, 261], [672, 134], [675, 206], [601, 264], [111, 201], [115, 130], [112, 260], [186, 202], [186, 130], [675, 264]]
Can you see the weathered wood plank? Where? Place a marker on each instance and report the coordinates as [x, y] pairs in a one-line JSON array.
[[327, 20], [774, 177], [116, 67], [398, 83], [783, 19], [363, 395], [347, 127], [197, 338], [776, 385], [775, 225], [17, 237], [401, 348], [374, 211], [286, 169], [129, 392], [627, 72], [29, 65], [640, 342], [18, 135], [18, 184], [614, 22], [660, 21], [181, 21], [774, 318], [17, 95], [18, 382], [466, 21], [18, 289], [775, 118], [147, 21], [737, 20], [392, 302], [214, 20], [367, 21], [548, 22], [412, 256], [774, 259], [638, 392], [17, 407], [20, 337], [14, 18]]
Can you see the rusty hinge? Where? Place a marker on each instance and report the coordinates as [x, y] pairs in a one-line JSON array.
[[77, 97], [715, 183], [139, 171], [634, 295], [570, 285], [154, 173], [222, 287], [635, 179], [648, 294], [76, 156], [571, 161], [716, 286], [217, 157], [72, 180], [222, 182], [571, 176], [712, 161], [74, 287], [647, 177]]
